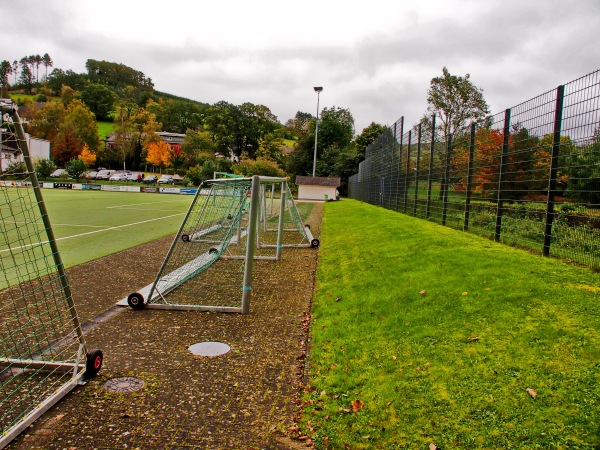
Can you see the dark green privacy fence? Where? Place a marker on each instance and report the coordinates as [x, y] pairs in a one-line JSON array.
[[528, 176]]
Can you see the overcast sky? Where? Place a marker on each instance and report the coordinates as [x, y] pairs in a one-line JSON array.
[[375, 58]]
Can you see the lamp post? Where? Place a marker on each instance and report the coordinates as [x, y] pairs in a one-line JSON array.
[[318, 90]]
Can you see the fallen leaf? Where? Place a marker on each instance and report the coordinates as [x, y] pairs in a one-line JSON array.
[[338, 299], [423, 292], [531, 392], [465, 293], [357, 405], [325, 440], [475, 338], [433, 447]]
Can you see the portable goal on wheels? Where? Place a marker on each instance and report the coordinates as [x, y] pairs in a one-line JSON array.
[[43, 354], [229, 224]]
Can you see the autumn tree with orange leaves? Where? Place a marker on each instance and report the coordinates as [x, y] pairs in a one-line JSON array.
[[160, 154], [87, 156]]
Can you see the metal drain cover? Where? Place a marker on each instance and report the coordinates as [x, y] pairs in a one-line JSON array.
[[209, 348], [123, 384]]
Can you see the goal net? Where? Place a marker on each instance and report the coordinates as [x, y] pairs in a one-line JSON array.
[[43, 354], [231, 222]]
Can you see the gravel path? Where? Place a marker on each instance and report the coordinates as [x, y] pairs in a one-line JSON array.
[[244, 399]]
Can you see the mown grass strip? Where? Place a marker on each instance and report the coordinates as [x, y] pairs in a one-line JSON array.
[[426, 335]]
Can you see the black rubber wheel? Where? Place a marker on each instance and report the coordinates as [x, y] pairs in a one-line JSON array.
[[185, 238], [93, 363], [315, 243], [213, 250], [307, 226], [136, 300]]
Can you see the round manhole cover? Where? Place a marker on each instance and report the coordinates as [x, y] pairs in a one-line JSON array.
[[209, 348], [124, 384]]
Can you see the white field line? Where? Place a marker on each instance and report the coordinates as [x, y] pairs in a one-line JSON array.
[[57, 224], [23, 247], [138, 204]]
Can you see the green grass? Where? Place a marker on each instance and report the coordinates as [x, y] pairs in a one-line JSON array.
[[440, 333], [104, 129], [92, 224]]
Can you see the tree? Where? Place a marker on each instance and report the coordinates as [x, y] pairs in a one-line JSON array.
[[82, 122], [100, 99], [37, 62], [456, 101], [336, 130], [47, 62], [45, 122], [75, 167], [196, 143], [5, 71], [67, 93], [65, 146], [366, 138], [26, 79], [260, 166], [87, 156], [44, 167], [15, 69], [160, 154], [584, 172]]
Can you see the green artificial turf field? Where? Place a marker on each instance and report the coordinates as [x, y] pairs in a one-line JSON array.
[[91, 224]]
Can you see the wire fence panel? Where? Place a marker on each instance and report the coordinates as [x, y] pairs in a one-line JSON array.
[[528, 176]]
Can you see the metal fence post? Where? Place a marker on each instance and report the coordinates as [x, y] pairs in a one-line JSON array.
[[502, 177], [560, 95], [406, 172], [469, 178], [399, 159], [429, 177], [417, 168], [446, 180]]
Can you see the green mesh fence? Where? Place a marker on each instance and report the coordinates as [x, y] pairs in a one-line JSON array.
[[42, 350]]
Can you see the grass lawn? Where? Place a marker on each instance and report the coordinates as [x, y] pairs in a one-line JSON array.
[[92, 224], [104, 129], [426, 335]]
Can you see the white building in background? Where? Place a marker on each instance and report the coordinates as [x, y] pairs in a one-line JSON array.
[[10, 151], [318, 188]]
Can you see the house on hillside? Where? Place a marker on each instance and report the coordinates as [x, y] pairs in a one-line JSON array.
[[175, 139], [318, 188]]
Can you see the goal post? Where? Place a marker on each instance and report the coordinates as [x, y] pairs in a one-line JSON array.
[[231, 222], [43, 353]]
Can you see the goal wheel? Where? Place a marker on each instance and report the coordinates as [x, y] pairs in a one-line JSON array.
[[136, 300], [213, 250], [315, 243], [93, 363], [185, 238], [307, 226]]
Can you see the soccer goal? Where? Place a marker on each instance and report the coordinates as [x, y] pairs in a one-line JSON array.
[[43, 354], [209, 264], [230, 224], [281, 224]]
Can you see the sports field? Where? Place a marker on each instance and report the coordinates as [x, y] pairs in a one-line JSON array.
[[91, 224]]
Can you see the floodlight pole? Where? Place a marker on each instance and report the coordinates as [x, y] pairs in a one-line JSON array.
[[318, 90]]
